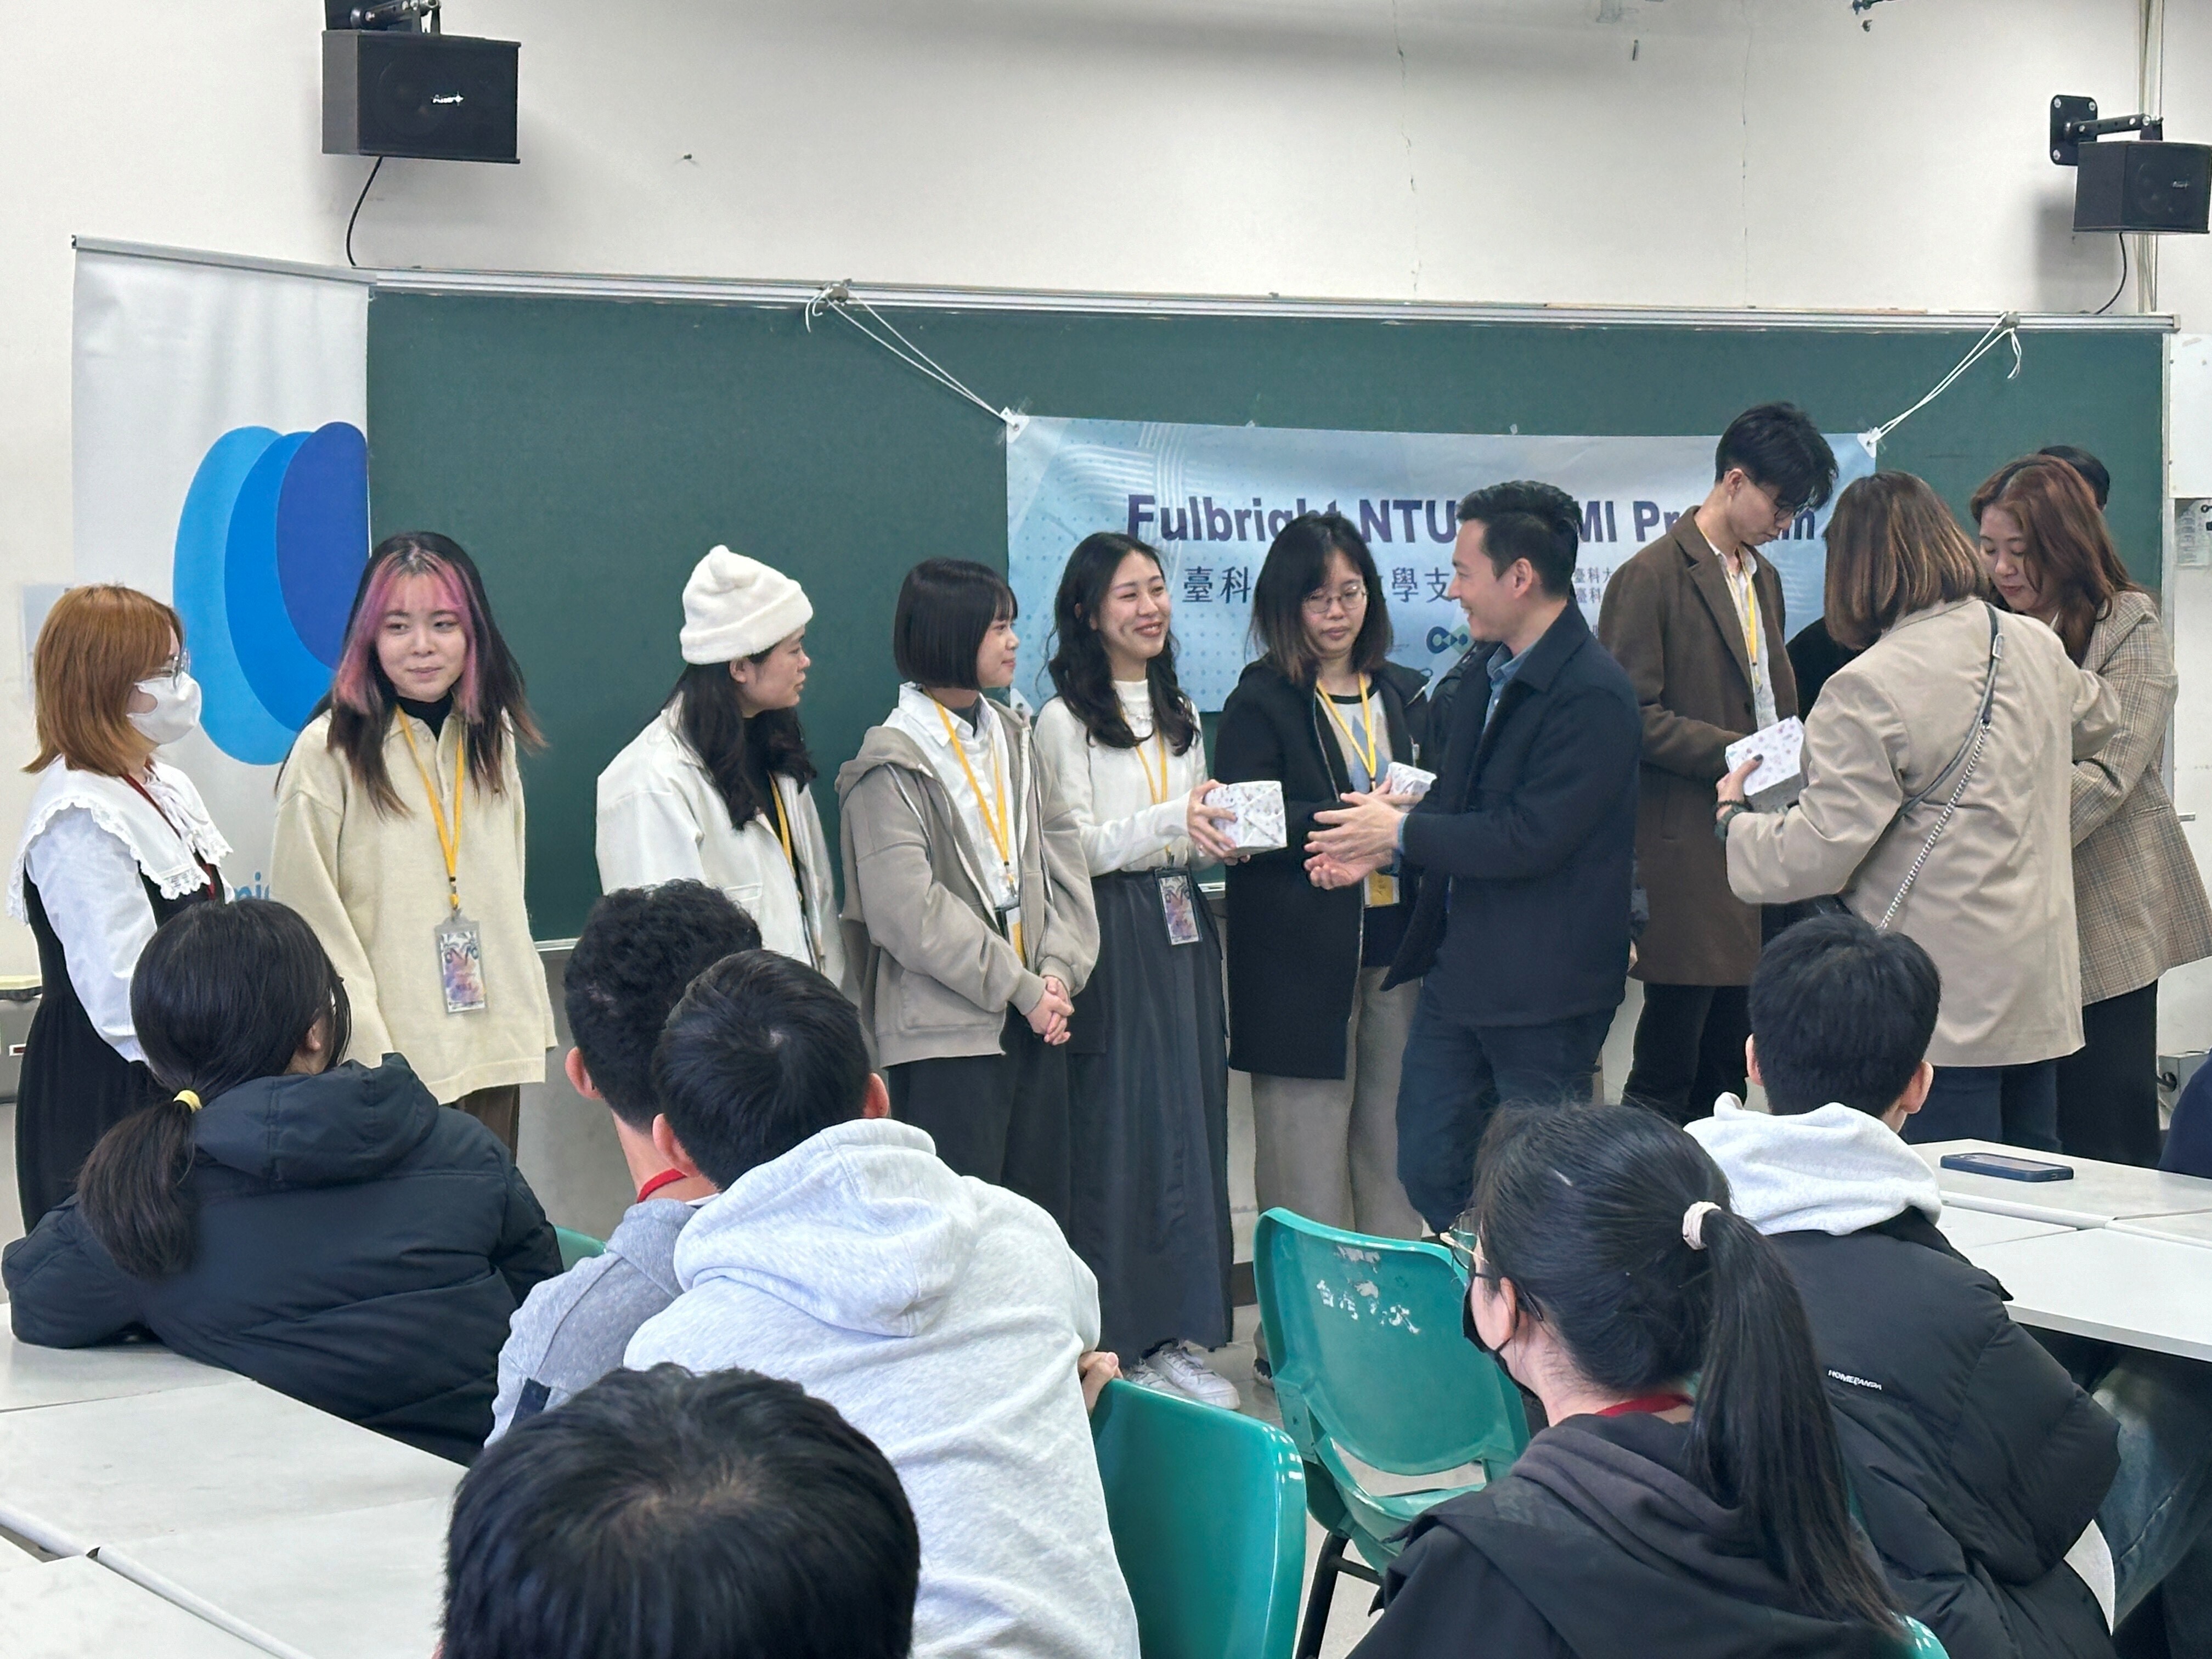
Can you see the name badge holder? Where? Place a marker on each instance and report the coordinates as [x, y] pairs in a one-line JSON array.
[[458, 940], [1178, 903]]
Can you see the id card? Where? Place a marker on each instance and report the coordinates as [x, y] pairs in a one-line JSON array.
[[1178, 905], [460, 964], [1381, 891], [1010, 924]]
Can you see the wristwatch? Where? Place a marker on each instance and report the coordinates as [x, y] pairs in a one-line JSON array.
[[1726, 814]]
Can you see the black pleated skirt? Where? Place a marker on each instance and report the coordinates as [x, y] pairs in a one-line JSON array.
[[1149, 1125]]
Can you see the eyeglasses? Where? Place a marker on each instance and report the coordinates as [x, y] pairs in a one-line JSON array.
[[1460, 1240], [1353, 596], [174, 669]]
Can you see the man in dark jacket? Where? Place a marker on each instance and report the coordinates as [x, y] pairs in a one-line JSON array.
[[1696, 618], [1522, 851], [1976, 1461]]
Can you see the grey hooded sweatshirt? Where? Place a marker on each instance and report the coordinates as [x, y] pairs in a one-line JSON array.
[[943, 1317]]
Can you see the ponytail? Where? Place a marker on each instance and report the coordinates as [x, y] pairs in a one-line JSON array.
[[131, 1191], [1763, 1437], [1614, 1223], [223, 994]]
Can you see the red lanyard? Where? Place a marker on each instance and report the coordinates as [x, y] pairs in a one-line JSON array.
[[1646, 1402], [206, 868], [666, 1178]]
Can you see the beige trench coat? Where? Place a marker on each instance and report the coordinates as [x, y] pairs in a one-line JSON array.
[[1994, 905], [2140, 899]]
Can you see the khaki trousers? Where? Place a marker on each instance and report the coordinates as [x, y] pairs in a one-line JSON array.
[[1327, 1149], [499, 1111]]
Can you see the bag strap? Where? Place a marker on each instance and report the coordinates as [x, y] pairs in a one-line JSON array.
[[1969, 754]]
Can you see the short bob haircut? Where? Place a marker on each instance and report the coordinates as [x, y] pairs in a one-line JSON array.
[[1297, 564], [1893, 549], [97, 643], [2070, 556], [945, 607], [1524, 519]]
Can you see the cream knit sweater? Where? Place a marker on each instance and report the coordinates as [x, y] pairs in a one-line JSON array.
[[372, 886]]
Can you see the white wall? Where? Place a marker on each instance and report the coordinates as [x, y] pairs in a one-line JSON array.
[[1766, 153]]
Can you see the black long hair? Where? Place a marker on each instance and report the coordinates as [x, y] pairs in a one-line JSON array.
[[223, 994], [1297, 564], [1079, 669], [729, 745], [488, 698], [1583, 1208]]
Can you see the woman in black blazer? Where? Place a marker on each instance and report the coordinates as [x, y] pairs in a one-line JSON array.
[[1322, 712]]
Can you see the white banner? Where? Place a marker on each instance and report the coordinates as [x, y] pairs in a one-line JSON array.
[[219, 464], [1210, 498]]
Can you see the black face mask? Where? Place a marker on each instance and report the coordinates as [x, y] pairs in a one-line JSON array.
[[1466, 1322]]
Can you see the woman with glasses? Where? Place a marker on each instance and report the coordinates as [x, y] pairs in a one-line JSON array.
[[115, 844], [1323, 714]]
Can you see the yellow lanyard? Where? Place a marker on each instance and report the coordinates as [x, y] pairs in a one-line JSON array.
[[1002, 826], [1366, 752], [791, 859], [449, 842], [1159, 793], [1747, 608]]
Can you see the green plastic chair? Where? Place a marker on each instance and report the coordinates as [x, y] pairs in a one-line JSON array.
[[1924, 1644], [1365, 1337], [577, 1247], [1208, 1514]]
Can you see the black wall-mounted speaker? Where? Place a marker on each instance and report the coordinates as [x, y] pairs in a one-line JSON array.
[[441, 97], [2142, 187]]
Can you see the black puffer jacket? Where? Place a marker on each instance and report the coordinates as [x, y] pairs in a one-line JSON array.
[[1976, 1461], [360, 1248]]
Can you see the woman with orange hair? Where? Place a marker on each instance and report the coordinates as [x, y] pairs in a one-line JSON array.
[[2138, 900], [116, 843]]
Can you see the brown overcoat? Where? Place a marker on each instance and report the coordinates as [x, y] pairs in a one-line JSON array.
[[1669, 620]]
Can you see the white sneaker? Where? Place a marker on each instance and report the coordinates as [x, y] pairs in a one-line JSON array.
[[1145, 1375], [1184, 1369]]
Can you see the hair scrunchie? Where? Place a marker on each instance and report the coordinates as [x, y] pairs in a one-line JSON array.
[[1693, 1223], [187, 1099]]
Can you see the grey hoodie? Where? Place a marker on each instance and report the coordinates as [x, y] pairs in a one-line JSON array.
[[1836, 1170], [943, 1316], [572, 1330], [936, 976]]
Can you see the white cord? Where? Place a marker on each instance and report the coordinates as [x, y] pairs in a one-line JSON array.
[[838, 298], [2006, 327]]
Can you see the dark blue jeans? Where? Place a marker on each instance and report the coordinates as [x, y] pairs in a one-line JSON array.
[[1456, 1074], [2015, 1105]]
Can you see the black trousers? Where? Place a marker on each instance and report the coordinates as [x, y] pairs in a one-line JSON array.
[[1002, 1118], [1689, 1048], [2108, 1088]]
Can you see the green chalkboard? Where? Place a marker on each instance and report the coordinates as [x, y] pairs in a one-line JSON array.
[[587, 451]]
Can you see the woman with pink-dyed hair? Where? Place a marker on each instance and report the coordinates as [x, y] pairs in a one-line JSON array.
[[399, 834]]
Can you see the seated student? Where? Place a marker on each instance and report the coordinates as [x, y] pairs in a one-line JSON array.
[[943, 1315], [639, 947], [1610, 1279], [1976, 1459], [330, 1232], [664, 1515]]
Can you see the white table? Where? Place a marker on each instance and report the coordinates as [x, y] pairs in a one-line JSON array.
[[2188, 1229], [2116, 1286], [76, 1477], [76, 1608], [2098, 1194], [1968, 1230], [363, 1584], [31, 1377]]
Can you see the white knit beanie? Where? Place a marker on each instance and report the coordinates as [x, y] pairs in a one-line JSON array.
[[734, 606]]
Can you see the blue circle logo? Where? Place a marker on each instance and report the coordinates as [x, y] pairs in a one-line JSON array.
[[269, 548]]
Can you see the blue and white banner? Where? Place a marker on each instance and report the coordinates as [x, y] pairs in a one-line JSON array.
[[1210, 498], [219, 464]]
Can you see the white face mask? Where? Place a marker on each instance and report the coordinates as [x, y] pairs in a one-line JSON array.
[[176, 707]]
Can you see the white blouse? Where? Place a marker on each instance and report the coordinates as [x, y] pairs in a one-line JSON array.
[[1131, 805]]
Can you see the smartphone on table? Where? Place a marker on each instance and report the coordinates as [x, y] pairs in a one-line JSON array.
[[2005, 1168]]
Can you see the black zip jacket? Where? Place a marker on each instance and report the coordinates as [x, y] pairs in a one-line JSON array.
[[360, 1248]]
